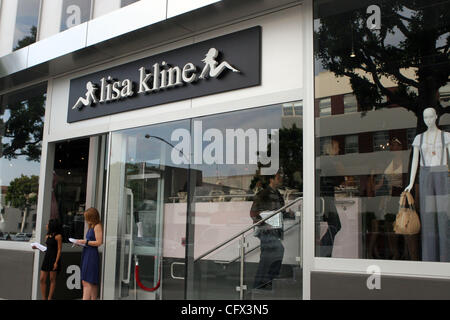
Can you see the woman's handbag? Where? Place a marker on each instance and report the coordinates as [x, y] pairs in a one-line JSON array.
[[407, 221]]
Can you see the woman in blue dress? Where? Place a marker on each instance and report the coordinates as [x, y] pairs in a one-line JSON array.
[[90, 257]]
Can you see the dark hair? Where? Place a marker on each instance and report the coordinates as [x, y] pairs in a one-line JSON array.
[[54, 227]]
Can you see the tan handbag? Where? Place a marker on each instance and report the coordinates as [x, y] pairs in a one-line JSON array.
[[407, 221]]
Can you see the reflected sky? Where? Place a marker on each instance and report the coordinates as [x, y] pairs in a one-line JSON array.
[[27, 17], [157, 147]]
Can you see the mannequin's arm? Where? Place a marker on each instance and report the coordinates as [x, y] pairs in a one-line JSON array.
[[415, 163]]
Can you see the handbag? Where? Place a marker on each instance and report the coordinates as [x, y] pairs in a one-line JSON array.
[[407, 220]]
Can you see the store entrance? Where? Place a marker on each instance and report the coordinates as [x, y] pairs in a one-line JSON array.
[[146, 220], [77, 171]]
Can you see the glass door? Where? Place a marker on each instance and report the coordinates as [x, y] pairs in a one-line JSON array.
[[146, 214]]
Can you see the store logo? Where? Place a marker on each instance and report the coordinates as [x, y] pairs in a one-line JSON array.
[[228, 146], [163, 76]]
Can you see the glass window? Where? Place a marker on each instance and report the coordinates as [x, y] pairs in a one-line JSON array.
[[351, 144], [380, 141], [75, 12], [251, 165], [444, 95], [298, 108], [27, 19], [325, 144], [288, 109], [411, 134], [350, 103], [124, 3], [21, 127], [181, 188], [378, 60], [325, 106]]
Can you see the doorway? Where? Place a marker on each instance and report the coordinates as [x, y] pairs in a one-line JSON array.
[[77, 171]]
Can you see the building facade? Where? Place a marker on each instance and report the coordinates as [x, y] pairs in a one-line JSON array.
[[173, 118]]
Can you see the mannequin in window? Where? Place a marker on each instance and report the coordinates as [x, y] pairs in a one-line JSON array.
[[432, 147]]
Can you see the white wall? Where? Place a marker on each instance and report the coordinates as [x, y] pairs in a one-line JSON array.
[[102, 7], [50, 21], [7, 25], [280, 55]]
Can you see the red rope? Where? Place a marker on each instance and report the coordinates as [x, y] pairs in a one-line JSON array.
[[140, 284]]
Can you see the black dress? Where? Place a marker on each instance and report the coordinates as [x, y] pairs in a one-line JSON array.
[[50, 255]]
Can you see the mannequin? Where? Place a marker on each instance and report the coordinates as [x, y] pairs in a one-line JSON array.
[[432, 147]]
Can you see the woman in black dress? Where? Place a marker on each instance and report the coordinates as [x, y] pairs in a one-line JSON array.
[[52, 262]]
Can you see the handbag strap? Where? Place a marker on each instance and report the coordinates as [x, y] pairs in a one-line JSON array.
[[406, 198], [402, 200], [410, 198]]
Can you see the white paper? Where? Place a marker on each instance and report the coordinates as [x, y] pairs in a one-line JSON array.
[[74, 241], [275, 221], [39, 246]]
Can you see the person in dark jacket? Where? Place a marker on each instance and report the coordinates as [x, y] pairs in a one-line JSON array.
[[272, 250]]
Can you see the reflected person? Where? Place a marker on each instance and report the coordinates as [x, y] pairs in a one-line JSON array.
[[330, 215], [272, 250]]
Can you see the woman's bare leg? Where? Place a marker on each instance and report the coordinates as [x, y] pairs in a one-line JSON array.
[[94, 291], [52, 285], [43, 283], [86, 290]]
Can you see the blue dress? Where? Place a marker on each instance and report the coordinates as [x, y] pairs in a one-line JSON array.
[[90, 260]]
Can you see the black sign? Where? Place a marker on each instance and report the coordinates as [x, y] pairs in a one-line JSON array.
[[222, 64]]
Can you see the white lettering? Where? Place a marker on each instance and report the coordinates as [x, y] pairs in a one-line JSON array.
[[143, 78], [374, 280], [164, 77], [183, 148], [127, 90], [74, 17], [193, 310], [74, 280], [240, 136], [215, 147], [374, 21], [187, 70], [174, 73]]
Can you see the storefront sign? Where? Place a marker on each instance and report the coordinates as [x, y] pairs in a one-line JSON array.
[[222, 64]]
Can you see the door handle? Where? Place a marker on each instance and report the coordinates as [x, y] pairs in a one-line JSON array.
[[128, 278], [171, 270]]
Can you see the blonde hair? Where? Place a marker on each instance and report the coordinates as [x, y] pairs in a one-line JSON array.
[[92, 217]]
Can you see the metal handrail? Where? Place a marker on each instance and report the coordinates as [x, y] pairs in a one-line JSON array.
[[256, 247], [247, 229]]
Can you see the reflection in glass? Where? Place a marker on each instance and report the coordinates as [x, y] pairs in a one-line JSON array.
[[147, 210], [26, 23], [251, 163], [21, 127], [124, 3], [395, 71]]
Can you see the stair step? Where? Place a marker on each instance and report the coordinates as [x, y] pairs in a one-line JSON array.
[[287, 289]]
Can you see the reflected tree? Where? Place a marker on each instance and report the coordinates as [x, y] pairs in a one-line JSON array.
[[290, 159], [411, 48], [22, 194], [23, 129], [26, 41]]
